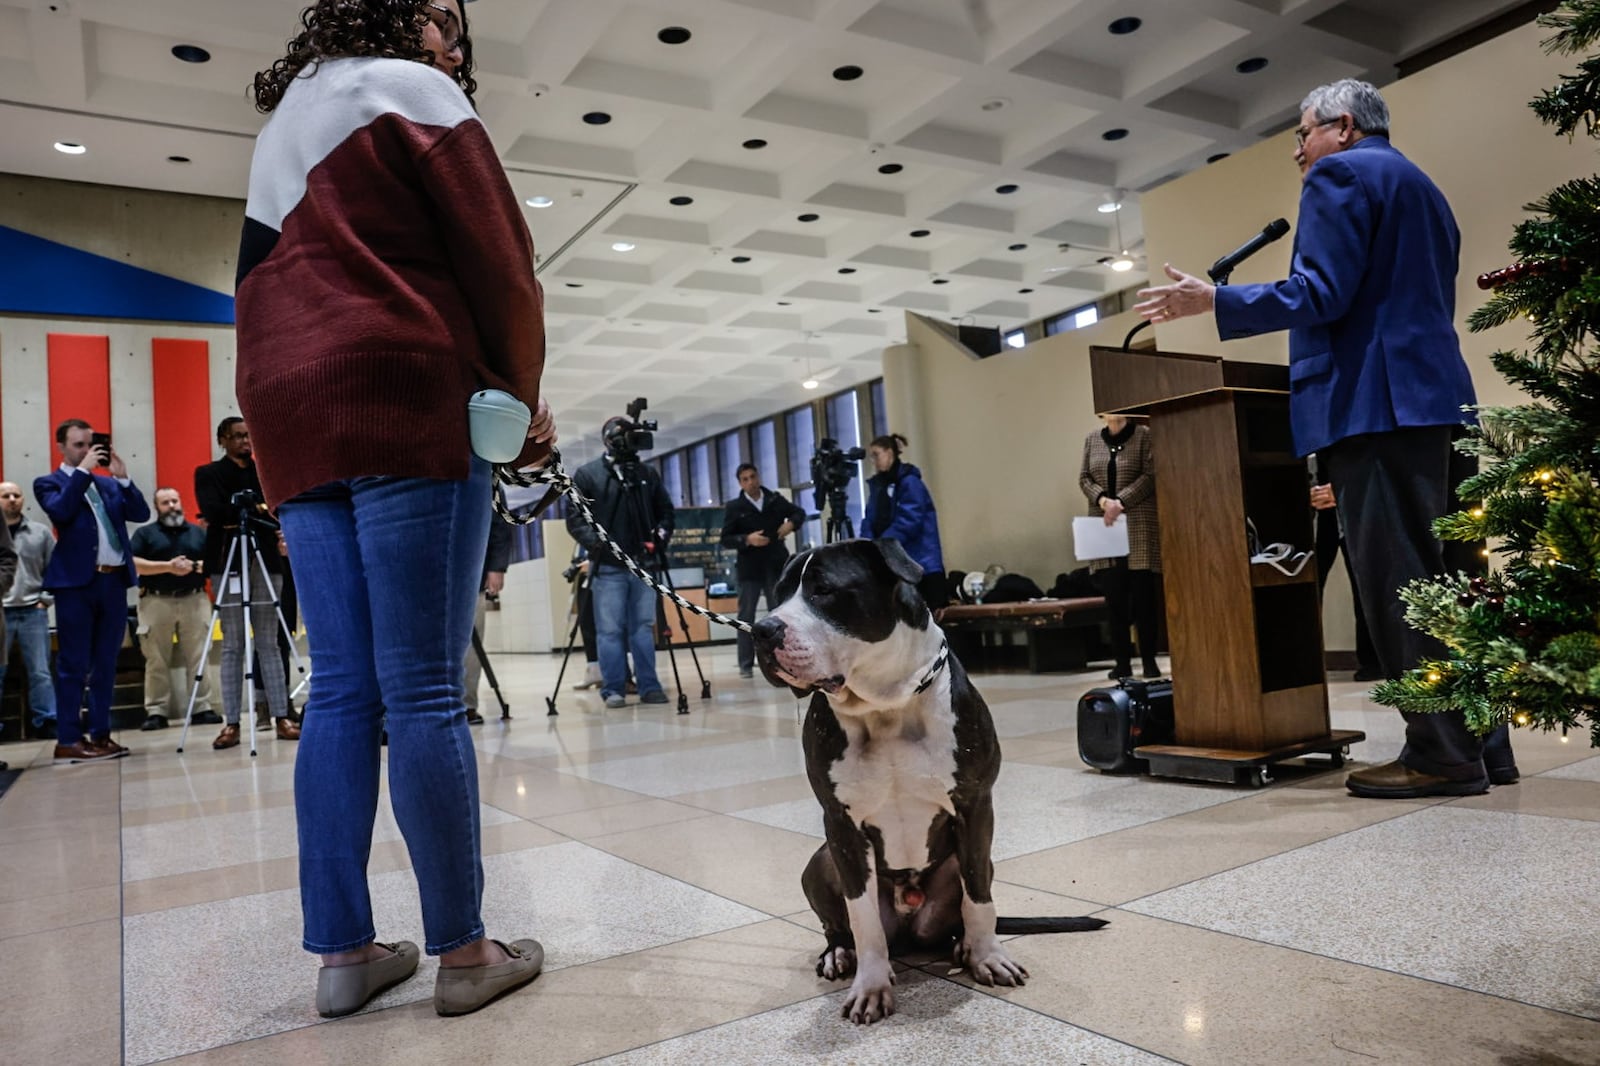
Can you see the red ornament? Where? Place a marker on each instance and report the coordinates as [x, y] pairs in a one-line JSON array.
[[1516, 271]]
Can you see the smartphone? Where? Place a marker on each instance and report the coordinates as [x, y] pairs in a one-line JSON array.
[[101, 440]]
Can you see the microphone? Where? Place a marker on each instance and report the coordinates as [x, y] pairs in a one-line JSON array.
[[1222, 268]]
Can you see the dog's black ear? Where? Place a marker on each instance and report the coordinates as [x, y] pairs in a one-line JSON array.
[[901, 565]]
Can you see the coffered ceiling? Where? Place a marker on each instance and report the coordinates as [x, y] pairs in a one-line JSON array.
[[744, 193]]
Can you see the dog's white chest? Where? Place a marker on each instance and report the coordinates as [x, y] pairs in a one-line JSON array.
[[897, 781]]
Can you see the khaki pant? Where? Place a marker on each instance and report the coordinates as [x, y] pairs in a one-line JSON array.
[[474, 666], [161, 619]]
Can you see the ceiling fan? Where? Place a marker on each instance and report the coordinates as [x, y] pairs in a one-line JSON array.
[[1121, 258]]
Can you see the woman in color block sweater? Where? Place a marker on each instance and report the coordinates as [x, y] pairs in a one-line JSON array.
[[385, 274]]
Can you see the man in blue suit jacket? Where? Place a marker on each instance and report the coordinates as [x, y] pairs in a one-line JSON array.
[[90, 573], [1377, 388]]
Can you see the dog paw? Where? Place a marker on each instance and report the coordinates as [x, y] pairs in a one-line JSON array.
[[871, 996], [835, 964], [988, 963]]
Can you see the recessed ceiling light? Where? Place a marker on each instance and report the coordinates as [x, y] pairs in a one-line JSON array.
[[178, 159], [850, 73], [810, 383], [1016, 247], [919, 233], [847, 270], [623, 246], [597, 118], [1023, 292], [1214, 158], [1114, 135], [808, 217], [890, 168], [70, 148], [681, 201], [191, 53], [1110, 207], [574, 285], [941, 281], [673, 35], [996, 103], [784, 303], [1005, 190], [1122, 264], [741, 259], [1125, 25], [1251, 65], [754, 143], [539, 201]]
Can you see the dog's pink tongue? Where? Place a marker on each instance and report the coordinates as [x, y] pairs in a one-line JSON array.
[[914, 898]]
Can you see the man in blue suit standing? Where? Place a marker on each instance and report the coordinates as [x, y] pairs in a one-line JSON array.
[[1377, 387], [89, 573]]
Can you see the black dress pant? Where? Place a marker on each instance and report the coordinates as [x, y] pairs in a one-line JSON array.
[[1390, 487], [591, 653], [1131, 600], [1329, 539], [751, 589]]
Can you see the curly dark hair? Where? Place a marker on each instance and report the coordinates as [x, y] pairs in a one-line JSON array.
[[333, 29]]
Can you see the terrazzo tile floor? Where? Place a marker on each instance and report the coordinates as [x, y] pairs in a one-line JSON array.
[[149, 910]]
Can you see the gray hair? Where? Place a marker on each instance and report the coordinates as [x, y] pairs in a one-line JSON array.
[[1359, 99]]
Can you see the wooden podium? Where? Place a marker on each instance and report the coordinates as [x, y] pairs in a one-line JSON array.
[[1248, 684]]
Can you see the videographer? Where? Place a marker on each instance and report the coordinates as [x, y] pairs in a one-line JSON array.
[[219, 489], [900, 508], [755, 524], [630, 502]]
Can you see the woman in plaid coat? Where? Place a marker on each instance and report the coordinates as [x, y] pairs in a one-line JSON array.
[[1117, 478]]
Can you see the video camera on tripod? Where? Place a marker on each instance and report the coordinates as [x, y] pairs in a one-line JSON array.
[[832, 468], [253, 509], [626, 437]]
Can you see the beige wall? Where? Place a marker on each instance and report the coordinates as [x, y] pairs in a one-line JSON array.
[[1002, 458]]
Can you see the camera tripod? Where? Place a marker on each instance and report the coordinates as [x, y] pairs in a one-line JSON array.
[[488, 672], [242, 547], [579, 582], [838, 526]]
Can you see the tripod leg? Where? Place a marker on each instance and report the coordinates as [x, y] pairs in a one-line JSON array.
[[665, 577], [550, 700], [199, 676], [488, 672]]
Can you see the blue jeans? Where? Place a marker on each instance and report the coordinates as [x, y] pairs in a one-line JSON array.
[[387, 570], [90, 624], [30, 627], [624, 611]]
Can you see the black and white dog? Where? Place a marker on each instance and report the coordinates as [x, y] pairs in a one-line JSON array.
[[902, 754]]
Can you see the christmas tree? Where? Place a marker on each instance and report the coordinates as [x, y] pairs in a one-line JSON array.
[[1523, 640]]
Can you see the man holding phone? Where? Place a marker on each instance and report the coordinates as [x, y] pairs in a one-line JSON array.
[[756, 523], [89, 574]]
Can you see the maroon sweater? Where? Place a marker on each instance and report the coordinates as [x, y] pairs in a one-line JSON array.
[[385, 274]]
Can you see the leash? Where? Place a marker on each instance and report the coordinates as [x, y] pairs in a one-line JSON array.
[[561, 484]]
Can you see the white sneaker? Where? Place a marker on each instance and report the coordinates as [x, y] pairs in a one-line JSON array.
[[591, 678]]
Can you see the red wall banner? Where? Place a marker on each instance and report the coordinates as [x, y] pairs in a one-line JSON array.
[[80, 383], [180, 372]]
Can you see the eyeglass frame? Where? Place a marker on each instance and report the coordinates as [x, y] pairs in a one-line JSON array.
[[449, 17], [1301, 133]]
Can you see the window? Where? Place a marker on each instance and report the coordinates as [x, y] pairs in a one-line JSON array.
[[1017, 338], [802, 426], [729, 456], [764, 443], [1077, 318], [880, 410], [672, 478], [701, 482]]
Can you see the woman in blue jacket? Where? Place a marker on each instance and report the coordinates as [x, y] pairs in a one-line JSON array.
[[899, 507]]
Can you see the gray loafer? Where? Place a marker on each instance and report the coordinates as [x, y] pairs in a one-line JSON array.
[[464, 989], [344, 990]]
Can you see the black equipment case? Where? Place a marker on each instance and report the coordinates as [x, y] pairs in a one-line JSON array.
[[1115, 719]]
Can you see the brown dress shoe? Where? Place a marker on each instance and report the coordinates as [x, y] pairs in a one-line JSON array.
[[287, 730], [1395, 780], [106, 744], [228, 738], [82, 751]]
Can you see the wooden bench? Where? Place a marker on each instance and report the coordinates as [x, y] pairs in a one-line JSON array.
[[1060, 634]]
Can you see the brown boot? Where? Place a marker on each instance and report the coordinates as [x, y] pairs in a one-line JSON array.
[[1396, 780], [228, 738], [107, 745], [82, 751], [287, 730]]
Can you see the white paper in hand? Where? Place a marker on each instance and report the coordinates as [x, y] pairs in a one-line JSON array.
[[1093, 539]]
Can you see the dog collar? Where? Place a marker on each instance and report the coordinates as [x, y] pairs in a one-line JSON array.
[[939, 662]]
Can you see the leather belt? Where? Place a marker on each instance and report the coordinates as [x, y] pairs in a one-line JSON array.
[[163, 592], [109, 569]]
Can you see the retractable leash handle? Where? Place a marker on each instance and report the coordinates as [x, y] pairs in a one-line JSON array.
[[561, 484]]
